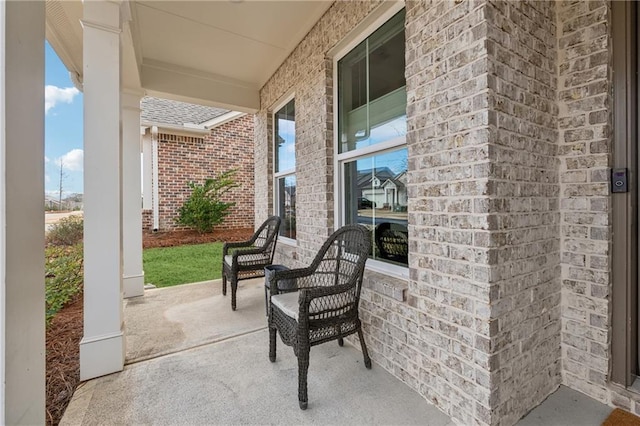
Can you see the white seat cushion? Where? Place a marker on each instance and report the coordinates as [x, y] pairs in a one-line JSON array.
[[287, 303], [249, 258]]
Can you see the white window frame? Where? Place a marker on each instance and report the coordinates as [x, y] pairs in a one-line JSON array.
[[387, 11], [285, 173]]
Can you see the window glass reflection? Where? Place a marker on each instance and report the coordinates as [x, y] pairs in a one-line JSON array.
[[376, 196], [372, 97], [285, 135], [287, 206]]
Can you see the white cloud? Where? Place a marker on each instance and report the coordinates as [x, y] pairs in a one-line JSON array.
[[72, 160], [54, 95], [47, 179], [46, 159]]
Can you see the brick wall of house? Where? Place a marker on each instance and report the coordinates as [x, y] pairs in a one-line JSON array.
[[427, 335], [182, 159], [307, 73], [263, 159], [508, 117], [147, 220], [523, 206], [585, 101], [448, 183]]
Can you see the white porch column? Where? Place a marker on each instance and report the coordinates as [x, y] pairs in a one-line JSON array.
[[22, 336], [147, 171], [154, 181], [133, 278], [102, 346]]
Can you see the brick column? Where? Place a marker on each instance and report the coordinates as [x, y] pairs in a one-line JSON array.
[[484, 220]]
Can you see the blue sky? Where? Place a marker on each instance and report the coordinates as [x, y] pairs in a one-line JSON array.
[[63, 128]]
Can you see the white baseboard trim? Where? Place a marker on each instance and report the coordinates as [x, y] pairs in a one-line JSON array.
[[133, 285], [101, 355]]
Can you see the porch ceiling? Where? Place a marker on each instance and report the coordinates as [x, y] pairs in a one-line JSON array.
[[217, 53]]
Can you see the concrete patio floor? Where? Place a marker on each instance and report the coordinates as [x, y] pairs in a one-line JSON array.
[[191, 360]]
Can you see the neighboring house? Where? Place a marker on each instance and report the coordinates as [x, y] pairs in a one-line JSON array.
[[383, 187], [70, 202], [516, 125], [192, 143]]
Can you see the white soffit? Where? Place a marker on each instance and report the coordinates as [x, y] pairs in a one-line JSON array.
[[64, 32], [217, 53], [243, 40]]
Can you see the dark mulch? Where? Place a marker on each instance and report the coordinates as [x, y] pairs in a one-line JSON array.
[[63, 359], [65, 331], [177, 238]]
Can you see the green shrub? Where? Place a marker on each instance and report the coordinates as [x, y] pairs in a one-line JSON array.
[[67, 232], [63, 276], [204, 208]]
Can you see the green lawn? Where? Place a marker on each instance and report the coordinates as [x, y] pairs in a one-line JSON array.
[[170, 266]]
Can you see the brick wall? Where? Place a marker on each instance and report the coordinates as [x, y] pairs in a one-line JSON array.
[[508, 115], [147, 220], [448, 183], [524, 214], [263, 155], [585, 145], [182, 159], [430, 331], [308, 74]]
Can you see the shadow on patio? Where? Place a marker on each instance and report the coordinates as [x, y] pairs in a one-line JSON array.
[[191, 360]]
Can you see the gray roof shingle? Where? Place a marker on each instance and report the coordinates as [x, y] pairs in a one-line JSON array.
[[175, 113]]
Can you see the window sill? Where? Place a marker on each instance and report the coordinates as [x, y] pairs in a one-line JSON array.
[[388, 285], [288, 241]]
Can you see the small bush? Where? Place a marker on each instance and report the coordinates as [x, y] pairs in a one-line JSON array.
[[204, 208], [63, 276], [67, 232]]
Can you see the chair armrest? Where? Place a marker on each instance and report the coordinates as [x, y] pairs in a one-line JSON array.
[[289, 274], [235, 244], [310, 293]]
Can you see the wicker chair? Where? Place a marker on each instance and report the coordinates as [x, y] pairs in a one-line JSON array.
[[247, 259], [392, 242], [325, 307]]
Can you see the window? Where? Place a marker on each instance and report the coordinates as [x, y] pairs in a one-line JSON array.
[[285, 168], [372, 98], [371, 152]]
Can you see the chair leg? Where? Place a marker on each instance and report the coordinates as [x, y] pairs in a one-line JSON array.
[[234, 288], [365, 353], [272, 344], [224, 282], [303, 369], [338, 332], [340, 341]]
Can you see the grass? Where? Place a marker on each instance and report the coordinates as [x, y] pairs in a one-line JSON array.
[[169, 266]]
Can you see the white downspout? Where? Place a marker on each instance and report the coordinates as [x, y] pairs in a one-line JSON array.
[[156, 201]]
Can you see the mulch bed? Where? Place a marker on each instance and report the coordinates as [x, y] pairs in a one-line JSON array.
[[65, 331], [63, 359], [178, 238]]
